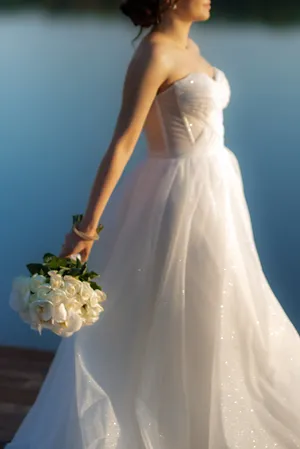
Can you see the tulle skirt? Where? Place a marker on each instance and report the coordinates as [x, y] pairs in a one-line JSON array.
[[193, 350]]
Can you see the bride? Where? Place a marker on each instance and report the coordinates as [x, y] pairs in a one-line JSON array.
[[193, 350]]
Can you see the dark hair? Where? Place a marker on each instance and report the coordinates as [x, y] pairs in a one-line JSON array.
[[146, 13]]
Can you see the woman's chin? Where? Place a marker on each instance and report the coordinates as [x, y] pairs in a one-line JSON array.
[[204, 16]]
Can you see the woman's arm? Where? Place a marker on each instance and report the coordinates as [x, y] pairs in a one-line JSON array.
[[146, 73]]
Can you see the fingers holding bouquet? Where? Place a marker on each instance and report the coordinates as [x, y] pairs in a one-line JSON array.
[[79, 241], [75, 245]]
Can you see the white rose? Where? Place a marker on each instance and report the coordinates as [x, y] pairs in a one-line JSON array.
[[94, 299], [60, 313], [101, 295], [41, 293], [33, 297], [57, 296], [72, 286], [41, 311], [86, 292], [36, 281], [94, 311], [20, 294], [56, 280], [97, 297], [91, 320], [91, 314], [74, 303], [73, 324]]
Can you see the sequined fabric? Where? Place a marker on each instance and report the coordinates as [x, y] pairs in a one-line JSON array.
[[193, 350]]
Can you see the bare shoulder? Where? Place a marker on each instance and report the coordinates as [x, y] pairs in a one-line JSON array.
[[150, 55], [194, 46]]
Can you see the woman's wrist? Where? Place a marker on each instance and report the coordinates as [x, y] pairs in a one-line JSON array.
[[87, 228], [85, 235], [85, 225]]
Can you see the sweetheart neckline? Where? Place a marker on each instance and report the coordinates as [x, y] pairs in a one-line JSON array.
[[214, 79]]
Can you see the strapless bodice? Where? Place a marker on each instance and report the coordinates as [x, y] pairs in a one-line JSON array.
[[187, 114]]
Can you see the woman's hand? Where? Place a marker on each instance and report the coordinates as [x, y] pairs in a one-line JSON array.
[[76, 245]]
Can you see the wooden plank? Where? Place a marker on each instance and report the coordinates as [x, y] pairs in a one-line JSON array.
[[13, 352], [22, 372]]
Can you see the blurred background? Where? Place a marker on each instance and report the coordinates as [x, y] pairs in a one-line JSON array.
[[62, 65], [62, 68]]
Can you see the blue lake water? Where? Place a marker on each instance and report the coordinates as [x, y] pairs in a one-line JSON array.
[[60, 89]]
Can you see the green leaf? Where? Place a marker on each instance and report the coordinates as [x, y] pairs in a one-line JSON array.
[[93, 275], [84, 268], [78, 263], [34, 268], [70, 262], [84, 277], [95, 286], [100, 228], [74, 272], [77, 218], [57, 262], [48, 257]]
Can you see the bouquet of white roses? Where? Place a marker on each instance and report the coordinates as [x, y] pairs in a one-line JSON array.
[[59, 295]]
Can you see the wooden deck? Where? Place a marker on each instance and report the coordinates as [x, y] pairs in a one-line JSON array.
[[22, 372]]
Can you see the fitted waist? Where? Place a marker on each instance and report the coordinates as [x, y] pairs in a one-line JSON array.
[[201, 149]]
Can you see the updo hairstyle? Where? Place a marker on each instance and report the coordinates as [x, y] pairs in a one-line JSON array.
[[146, 13]]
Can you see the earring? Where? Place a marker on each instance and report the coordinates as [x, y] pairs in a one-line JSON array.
[[174, 6]]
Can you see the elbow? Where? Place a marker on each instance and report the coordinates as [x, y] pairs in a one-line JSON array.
[[125, 144], [120, 151]]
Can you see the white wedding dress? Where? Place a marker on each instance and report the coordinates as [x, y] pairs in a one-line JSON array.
[[193, 350]]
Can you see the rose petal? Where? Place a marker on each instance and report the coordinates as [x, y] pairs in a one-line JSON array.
[[60, 314]]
